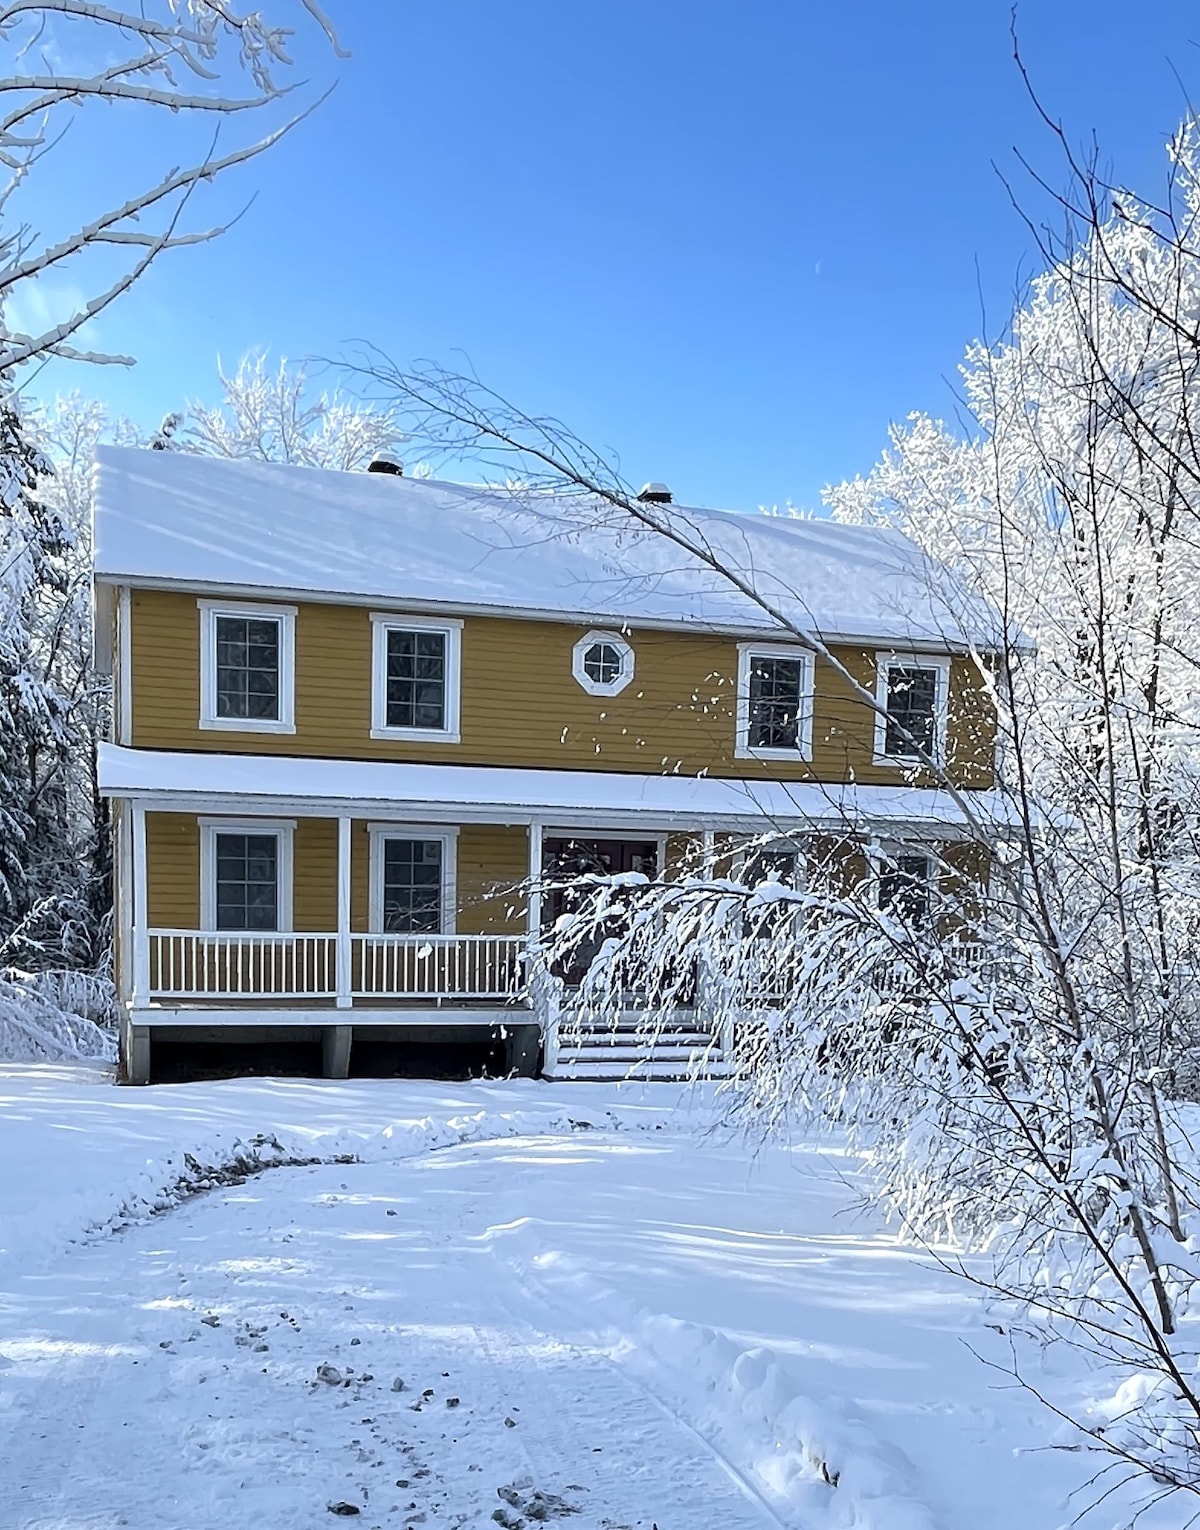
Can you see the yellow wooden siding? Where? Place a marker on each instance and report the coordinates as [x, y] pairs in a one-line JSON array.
[[173, 871], [314, 874], [492, 860], [522, 706], [492, 864]]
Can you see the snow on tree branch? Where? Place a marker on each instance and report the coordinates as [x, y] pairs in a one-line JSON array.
[[142, 59]]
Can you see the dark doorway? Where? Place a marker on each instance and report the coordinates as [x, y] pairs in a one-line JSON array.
[[566, 859]]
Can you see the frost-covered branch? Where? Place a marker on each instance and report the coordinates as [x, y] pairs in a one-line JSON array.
[[1013, 1058], [141, 57]]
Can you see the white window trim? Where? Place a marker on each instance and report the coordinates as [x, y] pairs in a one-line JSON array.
[[747, 652], [746, 853], [283, 829], [889, 660], [381, 623], [377, 834], [886, 855], [123, 709], [598, 687], [286, 617]]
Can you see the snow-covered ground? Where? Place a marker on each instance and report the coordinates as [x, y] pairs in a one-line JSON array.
[[522, 1302]]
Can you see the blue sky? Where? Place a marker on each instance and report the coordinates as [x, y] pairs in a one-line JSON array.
[[730, 243]]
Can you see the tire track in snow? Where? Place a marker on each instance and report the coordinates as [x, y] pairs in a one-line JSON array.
[[591, 1358]]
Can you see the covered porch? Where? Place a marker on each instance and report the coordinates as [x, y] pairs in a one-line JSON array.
[[347, 896]]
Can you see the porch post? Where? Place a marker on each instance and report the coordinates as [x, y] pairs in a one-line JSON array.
[[708, 845], [535, 886], [343, 1000], [141, 938], [540, 985]]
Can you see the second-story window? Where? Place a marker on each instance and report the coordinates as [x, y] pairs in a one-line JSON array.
[[602, 663], [415, 679], [415, 690], [913, 690], [247, 667], [247, 662], [774, 702]]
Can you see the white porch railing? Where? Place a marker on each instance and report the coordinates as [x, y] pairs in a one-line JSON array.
[[187, 964], [355, 968], [438, 966], [203, 964]]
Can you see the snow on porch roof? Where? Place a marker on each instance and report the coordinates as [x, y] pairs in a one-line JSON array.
[[485, 794], [202, 521]]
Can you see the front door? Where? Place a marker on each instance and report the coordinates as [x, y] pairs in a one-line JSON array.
[[567, 858]]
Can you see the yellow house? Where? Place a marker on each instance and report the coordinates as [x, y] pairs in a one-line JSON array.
[[356, 715]]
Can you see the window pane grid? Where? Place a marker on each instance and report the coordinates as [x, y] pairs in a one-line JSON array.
[[412, 886], [602, 663], [904, 888], [775, 702], [416, 679], [912, 697], [247, 881], [247, 667]]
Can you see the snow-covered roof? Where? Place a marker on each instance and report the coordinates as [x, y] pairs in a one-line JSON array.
[[565, 798], [204, 522]]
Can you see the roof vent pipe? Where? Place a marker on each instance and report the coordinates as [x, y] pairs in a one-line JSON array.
[[655, 494], [382, 463]]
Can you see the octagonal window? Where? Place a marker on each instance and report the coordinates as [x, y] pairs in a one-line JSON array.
[[602, 662]]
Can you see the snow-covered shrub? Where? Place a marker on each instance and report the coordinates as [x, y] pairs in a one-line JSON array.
[[55, 1017]]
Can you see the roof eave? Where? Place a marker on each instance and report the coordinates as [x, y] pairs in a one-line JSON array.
[[847, 636]]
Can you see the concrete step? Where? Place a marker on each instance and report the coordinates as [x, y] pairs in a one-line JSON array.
[[637, 1039], [603, 1068], [666, 1051]]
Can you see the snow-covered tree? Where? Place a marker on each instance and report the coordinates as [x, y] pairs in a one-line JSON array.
[[275, 415], [44, 899], [1010, 1085], [1074, 504], [56, 885], [55, 854]]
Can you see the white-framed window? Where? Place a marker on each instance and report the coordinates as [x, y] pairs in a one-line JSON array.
[[413, 879], [774, 702], [246, 873], [904, 882], [602, 663], [782, 863], [416, 677], [247, 667], [913, 690]]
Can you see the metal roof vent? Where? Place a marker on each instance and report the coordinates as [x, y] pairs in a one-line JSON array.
[[655, 494], [382, 463]]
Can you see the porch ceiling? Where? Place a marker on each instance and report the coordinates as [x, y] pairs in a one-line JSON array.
[[486, 794]]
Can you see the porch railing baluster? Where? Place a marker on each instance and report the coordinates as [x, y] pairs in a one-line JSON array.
[[199, 964]]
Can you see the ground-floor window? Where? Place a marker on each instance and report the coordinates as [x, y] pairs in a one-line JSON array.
[[772, 863], [906, 884], [412, 881], [245, 875]]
